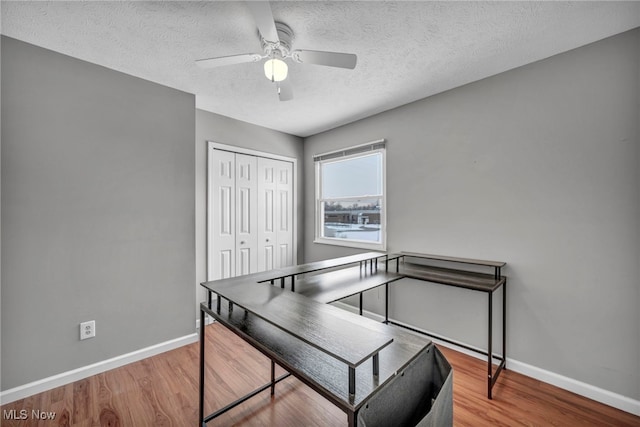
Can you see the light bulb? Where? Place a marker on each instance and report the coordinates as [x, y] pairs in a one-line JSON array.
[[276, 69]]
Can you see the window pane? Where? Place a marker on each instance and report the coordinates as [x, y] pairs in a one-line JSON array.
[[357, 219], [360, 176]]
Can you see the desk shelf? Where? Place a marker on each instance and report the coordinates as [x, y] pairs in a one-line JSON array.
[[366, 261], [446, 276]]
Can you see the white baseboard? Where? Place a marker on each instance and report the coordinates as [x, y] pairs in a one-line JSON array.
[[589, 391], [606, 397], [64, 378]]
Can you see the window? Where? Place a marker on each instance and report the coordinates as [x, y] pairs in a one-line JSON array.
[[350, 199]]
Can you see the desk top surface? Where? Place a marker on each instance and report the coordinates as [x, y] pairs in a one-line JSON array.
[[339, 284], [319, 325]]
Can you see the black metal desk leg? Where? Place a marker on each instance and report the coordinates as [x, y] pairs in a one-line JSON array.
[[351, 419], [504, 323], [489, 350], [360, 303], [386, 303], [376, 364], [201, 391], [352, 381], [273, 378]]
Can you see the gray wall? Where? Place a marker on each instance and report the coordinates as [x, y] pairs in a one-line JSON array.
[[97, 213], [224, 130], [0, 218], [538, 167]]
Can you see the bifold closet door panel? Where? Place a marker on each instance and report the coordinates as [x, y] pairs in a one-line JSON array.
[[284, 211], [275, 219], [267, 216], [246, 214], [222, 194]]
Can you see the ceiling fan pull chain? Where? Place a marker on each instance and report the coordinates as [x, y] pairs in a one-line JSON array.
[[273, 73]]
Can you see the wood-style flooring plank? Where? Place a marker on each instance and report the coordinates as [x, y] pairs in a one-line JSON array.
[[163, 391]]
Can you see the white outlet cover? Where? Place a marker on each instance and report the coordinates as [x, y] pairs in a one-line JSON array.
[[87, 329]]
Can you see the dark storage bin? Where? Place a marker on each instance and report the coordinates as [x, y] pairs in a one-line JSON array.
[[420, 395]]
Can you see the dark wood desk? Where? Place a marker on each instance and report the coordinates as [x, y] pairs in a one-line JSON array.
[[326, 347]]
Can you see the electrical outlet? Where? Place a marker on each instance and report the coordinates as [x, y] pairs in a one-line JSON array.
[[87, 329]]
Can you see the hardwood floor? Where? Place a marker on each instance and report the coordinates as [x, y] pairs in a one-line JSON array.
[[163, 391]]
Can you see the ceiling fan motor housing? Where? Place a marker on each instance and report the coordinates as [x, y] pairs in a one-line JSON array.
[[285, 33]]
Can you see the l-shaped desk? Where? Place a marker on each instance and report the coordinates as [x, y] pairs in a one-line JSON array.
[[327, 348]]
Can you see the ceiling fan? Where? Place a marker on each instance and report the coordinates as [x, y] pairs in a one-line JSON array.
[[276, 38]]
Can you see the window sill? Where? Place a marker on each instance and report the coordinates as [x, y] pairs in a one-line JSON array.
[[351, 243]]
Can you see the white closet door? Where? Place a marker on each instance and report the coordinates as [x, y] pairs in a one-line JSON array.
[[267, 216], [222, 199], [284, 214], [251, 214], [246, 214], [275, 215]]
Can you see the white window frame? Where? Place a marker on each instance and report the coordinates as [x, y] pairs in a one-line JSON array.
[[359, 151]]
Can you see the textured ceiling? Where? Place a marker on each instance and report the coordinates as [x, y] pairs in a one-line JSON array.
[[406, 50]]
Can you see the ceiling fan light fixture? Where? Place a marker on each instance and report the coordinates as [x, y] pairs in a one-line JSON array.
[[276, 40], [275, 69]]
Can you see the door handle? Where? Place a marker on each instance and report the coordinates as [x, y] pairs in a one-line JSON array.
[[242, 242], [267, 240]]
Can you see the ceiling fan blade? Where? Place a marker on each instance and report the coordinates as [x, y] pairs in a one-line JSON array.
[[330, 59], [285, 92], [261, 11], [228, 60]]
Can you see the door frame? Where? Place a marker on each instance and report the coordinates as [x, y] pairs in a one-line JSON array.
[[211, 145]]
